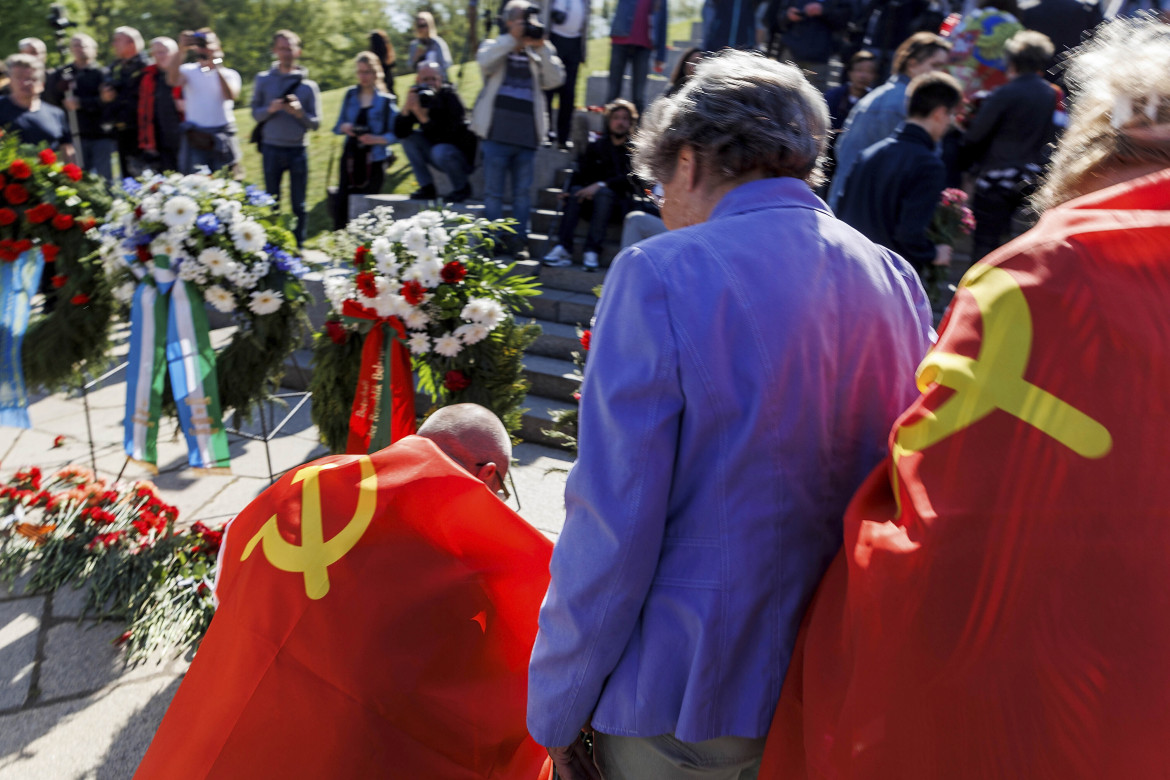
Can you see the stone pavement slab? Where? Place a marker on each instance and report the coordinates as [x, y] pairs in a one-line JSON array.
[[19, 625]]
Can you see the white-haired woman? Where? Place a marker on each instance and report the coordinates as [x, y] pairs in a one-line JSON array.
[[76, 87], [999, 609], [744, 371], [159, 112]]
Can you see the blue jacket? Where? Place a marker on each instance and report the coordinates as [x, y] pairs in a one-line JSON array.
[[623, 23], [743, 377], [873, 118], [383, 111]]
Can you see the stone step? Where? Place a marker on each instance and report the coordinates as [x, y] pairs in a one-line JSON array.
[[597, 88], [557, 339], [564, 306], [551, 377], [537, 420]]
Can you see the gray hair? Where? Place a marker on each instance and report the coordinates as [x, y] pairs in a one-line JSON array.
[[27, 61], [88, 44], [1120, 117], [133, 35], [742, 113], [36, 44], [167, 43], [515, 9]]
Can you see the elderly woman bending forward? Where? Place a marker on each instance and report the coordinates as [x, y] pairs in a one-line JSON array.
[[745, 370]]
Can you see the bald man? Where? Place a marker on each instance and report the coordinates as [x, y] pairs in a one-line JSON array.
[[376, 614]]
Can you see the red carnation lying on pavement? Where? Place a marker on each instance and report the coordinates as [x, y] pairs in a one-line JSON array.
[[7, 216], [42, 212], [98, 516], [63, 221], [15, 194], [365, 284], [72, 171], [80, 299], [59, 441], [413, 292], [456, 381], [453, 272], [48, 157], [19, 170], [106, 540], [336, 331], [50, 252]]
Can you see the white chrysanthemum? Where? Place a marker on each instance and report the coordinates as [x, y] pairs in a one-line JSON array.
[[483, 310], [415, 239], [222, 300], [125, 292], [227, 210], [381, 247], [419, 343], [396, 230], [438, 239], [416, 319], [448, 346], [427, 274], [337, 289], [429, 219], [151, 215], [163, 245], [249, 236], [391, 304], [260, 269], [472, 332], [266, 302], [389, 267], [216, 261], [119, 209], [190, 271], [180, 211]]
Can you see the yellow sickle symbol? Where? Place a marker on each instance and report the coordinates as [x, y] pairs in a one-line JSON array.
[[995, 380], [314, 555]]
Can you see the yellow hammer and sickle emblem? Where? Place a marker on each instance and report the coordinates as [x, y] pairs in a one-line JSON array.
[[314, 555], [995, 379]]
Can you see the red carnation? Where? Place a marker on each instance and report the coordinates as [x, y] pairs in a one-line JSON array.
[[59, 441], [19, 170], [47, 156], [87, 224], [336, 331], [23, 245], [365, 283], [586, 337], [72, 171], [8, 252], [15, 194], [143, 253], [359, 256], [42, 212], [413, 292], [7, 216], [138, 212], [456, 381], [63, 221], [80, 299], [453, 272], [49, 251], [59, 281]]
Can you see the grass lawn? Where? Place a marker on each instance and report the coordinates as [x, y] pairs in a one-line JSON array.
[[325, 147]]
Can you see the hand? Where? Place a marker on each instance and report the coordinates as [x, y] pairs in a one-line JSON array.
[[813, 9], [587, 193], [108, 94], [347, 129], [573, 763], [535, 43], [186, 40], [72, 104], [369, 139], [276, 105], [411, 103], [943, 254], [293, 105], [794, 15]]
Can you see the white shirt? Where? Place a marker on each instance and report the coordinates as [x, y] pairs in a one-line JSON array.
[[574, 19], [203, 93]]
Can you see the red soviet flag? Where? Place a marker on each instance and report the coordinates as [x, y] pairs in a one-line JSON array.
[[376, 617], [1000, 607]]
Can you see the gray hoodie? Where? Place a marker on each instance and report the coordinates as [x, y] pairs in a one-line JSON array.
[[282, 128]]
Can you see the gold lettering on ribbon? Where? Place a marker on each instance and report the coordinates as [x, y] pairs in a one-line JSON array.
[[142, 415], [995, 379], [314, 555], [201, 422]]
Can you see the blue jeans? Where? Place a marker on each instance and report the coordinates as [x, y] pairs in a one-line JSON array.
[[295, 160], [98, 156], [446, 157], [639, 59], [498, 160]]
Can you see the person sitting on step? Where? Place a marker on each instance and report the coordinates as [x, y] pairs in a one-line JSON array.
[[606, 167]]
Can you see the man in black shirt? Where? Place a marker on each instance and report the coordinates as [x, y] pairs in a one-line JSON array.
[[442, 138], [24, 112], [77, 87], [1009, 138], [893, 190], [604, 181], [125, 79]]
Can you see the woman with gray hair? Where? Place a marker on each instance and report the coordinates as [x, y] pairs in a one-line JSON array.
[[744, 371]]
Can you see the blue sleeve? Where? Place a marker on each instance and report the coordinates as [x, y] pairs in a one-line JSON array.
[[341, 118], [660, 33], [919, 202], [616, 501]]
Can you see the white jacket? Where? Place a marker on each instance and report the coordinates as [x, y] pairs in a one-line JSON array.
[[548, 72]]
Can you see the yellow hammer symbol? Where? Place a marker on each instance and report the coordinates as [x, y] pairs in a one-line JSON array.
[[314, 555], [994, 380]]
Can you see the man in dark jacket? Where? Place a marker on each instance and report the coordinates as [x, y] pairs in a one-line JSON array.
[[1009, 138], [1063, 21], [77, 87], [126, 74], [442, 138], [893, 191], [604, 181], [808, 32]]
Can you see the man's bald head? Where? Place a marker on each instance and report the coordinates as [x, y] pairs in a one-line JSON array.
[[429, 75], [473, 437]]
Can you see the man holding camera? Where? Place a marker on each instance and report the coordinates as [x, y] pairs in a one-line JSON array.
[[442, 138], [121, 92], [809, 33], [509, 114], [284, 105], [76, 87], [209, 94]]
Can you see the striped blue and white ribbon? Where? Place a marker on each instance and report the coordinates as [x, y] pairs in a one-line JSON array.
[[19, 281]]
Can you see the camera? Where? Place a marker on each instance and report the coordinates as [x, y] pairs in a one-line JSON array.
[[558, 16], [426, 95], [58, 19], [532, 25], [200, 39]]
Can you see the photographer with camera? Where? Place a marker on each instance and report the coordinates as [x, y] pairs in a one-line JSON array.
[[442, 138], [809, 32], [121, 92], [76, 87], [209, 94], [284, 105], [509, 114], [366, 120]]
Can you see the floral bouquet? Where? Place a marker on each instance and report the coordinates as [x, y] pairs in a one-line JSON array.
[[424, 290], [118, 540], [186, 240], [951, 219], [48, 211]]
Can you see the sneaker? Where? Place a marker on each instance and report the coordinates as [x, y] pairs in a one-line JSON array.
[[559, 257], [460, 195], [424, 193], [591, 261]]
